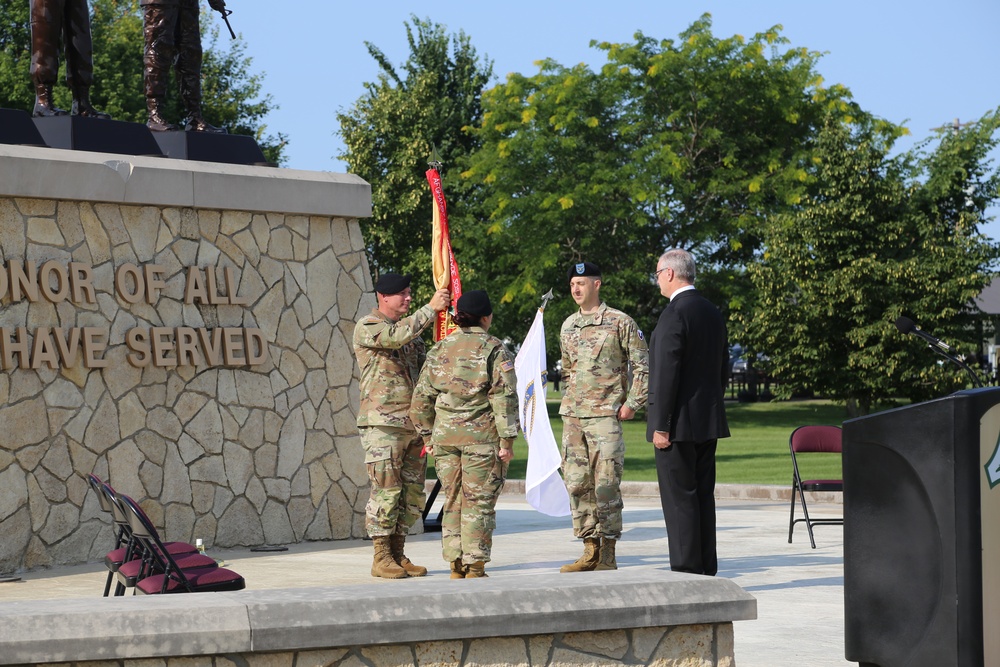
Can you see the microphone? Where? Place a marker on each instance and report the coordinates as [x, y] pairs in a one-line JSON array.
[[906, 325]]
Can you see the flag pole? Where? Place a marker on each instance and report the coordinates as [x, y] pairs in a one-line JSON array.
[[544, 489], [444, 268]]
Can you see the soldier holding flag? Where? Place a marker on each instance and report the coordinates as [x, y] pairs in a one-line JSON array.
[[390, 353]]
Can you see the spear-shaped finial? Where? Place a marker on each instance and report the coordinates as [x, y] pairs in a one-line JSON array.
[[435, 160], [548, 296]]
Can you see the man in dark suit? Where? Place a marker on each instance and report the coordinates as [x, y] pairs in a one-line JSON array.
[[688, 370]]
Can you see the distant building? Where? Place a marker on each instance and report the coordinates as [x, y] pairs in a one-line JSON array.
[[988, 302]]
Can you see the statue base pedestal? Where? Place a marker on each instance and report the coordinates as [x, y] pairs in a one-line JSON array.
[[100, 136], [227, 148], [16, 128]]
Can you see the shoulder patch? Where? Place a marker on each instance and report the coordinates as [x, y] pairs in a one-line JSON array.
[[640, 334], [507, 366]]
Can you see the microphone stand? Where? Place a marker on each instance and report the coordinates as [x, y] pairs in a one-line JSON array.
[[976, 382]]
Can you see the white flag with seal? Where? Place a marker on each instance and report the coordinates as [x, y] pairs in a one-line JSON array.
[[543, 487]]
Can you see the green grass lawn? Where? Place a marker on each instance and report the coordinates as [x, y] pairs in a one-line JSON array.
[[757, 452]]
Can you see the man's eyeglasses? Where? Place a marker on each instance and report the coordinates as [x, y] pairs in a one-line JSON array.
[[656, 275]]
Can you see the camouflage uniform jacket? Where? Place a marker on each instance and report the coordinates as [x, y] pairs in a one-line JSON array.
[[597, 350], [390, 355], [467, 391]]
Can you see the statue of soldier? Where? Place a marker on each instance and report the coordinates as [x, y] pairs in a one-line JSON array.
[[173, 35], [68, 21]]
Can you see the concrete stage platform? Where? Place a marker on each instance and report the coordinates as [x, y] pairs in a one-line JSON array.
[[799, 590]]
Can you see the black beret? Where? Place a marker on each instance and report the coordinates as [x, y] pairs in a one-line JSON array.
[[391, 283], [584, 269], [475, 302]]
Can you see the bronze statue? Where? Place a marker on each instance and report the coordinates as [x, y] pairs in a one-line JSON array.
[[68, 20], [173, 35]]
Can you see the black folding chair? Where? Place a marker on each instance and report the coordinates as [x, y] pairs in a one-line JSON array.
[[813, 440]]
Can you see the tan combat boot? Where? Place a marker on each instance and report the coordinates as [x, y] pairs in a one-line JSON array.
[[606, 560], [383, 565], [476, 570], [458, 569], [588, 561], [397, 542]]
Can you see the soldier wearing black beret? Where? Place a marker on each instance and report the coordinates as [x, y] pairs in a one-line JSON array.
[[390, 353], [465, 405], [602, 352]]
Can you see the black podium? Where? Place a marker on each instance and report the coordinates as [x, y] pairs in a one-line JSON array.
[[922, 534]]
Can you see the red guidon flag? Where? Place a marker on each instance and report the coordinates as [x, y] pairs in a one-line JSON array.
[[443, 263]]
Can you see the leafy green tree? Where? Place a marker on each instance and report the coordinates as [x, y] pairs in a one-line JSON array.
[[874, 238], [16, 91], [390, 132], [549, 168], [690, 144], [232, 93]]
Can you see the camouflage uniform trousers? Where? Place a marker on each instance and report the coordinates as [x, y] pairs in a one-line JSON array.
[[593, 459], [396, 472], [471, 477]]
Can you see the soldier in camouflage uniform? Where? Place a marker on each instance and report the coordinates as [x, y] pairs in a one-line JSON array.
[[601, 348], [172, 36], [465, 402], [69, 21], [390, 353]]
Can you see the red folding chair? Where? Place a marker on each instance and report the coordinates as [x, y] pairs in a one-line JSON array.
[[131, 562], [144, 562], [813, 440], [170, 576]]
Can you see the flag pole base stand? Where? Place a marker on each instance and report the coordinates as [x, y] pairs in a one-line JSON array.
[[432, 525]]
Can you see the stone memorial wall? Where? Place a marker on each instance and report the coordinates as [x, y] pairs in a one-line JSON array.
[[183, 331]]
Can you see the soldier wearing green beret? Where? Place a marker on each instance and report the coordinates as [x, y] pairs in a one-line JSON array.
[[390, 354], [465, 405], [601, 348]]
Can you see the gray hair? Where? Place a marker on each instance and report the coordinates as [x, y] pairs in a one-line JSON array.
[[682, 263]]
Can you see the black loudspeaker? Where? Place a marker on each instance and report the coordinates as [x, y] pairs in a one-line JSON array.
[[16, 128], [922, 534], [100, 136], [228, 148]]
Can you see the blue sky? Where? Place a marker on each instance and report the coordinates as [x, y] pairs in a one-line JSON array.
[[920, 63]]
